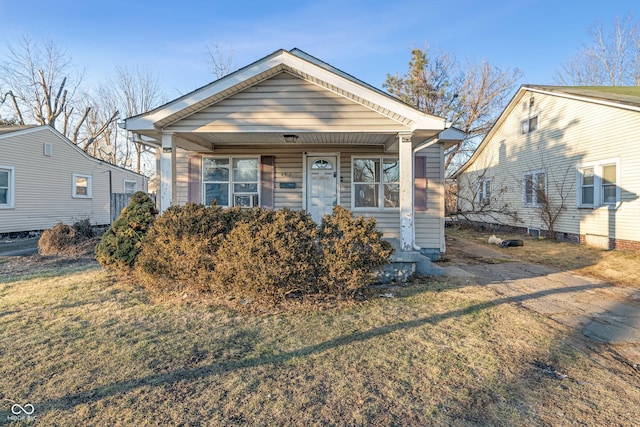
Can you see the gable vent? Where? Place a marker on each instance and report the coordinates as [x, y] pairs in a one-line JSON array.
[[48, 149]]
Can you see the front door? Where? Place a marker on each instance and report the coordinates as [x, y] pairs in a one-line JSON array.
[[322, 185]]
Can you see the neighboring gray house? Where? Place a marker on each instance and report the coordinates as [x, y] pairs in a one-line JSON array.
[[46, 179], [580, 144], [292, 131]]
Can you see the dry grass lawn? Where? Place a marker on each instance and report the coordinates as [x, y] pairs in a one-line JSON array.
[[86, 349], [615, 267]]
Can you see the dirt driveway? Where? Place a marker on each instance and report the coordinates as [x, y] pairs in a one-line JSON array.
[[600, 312]]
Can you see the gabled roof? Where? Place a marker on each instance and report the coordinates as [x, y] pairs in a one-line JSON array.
[[15, 128], [297, 63], [624, 97], [621, 95], [7, 132]]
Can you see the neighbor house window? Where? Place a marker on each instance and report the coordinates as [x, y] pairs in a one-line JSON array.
[[81, 186], [6, 186], [534, 188], [231, 181], [130, 187], [598, 184], [375, 183], [529, 125], [484, 191]]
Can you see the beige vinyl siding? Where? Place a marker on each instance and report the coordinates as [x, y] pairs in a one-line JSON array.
[[570, 132], [286, 102], [181, 180], [289, 168], [429, 224], [44, 185]]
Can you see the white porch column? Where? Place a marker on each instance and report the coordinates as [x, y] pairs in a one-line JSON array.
[[167, 158], [406, 192]]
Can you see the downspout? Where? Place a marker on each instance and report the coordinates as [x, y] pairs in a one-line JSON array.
[[110, 198]]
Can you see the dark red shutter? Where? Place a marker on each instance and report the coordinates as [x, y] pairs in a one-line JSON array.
[[420, 184], [267, 181], [194, 192]]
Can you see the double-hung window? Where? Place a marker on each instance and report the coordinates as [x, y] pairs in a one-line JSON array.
[[231, 181], [6, 186], [376, 182], [534, 188], [484, 192], [81, 186], [130, 187], [529, 125], [598, 184]]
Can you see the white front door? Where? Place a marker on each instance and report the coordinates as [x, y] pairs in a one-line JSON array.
[[322, 185]]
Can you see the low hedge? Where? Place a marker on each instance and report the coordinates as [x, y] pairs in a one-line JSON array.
[[260, 253]]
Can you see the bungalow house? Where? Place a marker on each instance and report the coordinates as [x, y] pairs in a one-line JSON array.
[[566, 152], [292, 131], [46, 179]]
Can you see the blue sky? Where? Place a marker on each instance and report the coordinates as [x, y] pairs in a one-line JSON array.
[[367, 39]]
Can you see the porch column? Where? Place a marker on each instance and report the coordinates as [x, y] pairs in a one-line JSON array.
[[167, 159], [405, 148]]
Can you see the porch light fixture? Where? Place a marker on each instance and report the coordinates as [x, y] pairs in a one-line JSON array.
[[290, 138]]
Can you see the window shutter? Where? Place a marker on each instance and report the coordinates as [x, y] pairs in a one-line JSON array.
[[267, 179], [420, 184], [195, 181]]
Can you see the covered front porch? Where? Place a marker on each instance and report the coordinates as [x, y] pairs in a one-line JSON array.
[[292, 131]]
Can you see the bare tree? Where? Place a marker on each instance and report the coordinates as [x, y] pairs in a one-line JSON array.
[[136, 91], [611, 56], [470, 96], [481, 197], [41, 83], [221, 61], [552, 197]]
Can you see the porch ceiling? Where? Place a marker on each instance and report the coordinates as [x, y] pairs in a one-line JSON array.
[[209, 141]]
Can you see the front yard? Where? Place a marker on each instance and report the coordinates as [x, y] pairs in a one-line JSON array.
[[87, 349], [615, 267]]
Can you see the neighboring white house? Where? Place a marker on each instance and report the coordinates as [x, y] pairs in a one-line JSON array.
[[292, 131], [46, 179], [577, 145]]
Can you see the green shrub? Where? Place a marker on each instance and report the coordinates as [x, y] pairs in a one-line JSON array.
[[122, 242], [352, 251], [270, 254], [180, 245]]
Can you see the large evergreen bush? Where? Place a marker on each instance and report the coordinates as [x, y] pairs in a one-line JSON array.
[[352, 251], [122, 242], [180, 245], [270, 254]]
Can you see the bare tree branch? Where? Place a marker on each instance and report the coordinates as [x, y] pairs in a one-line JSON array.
[[221, 62], [611, 56], [470, 96]]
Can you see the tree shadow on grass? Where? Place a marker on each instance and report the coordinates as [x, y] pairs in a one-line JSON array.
[[98, 393]]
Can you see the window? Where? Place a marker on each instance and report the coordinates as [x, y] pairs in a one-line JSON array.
[[609, 185], [376, 183], [587, 185], [484, 191], [6, 186], [534, 188], [231, 181], [598, 184], [130, 187], [81, 186], [529, 125]]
